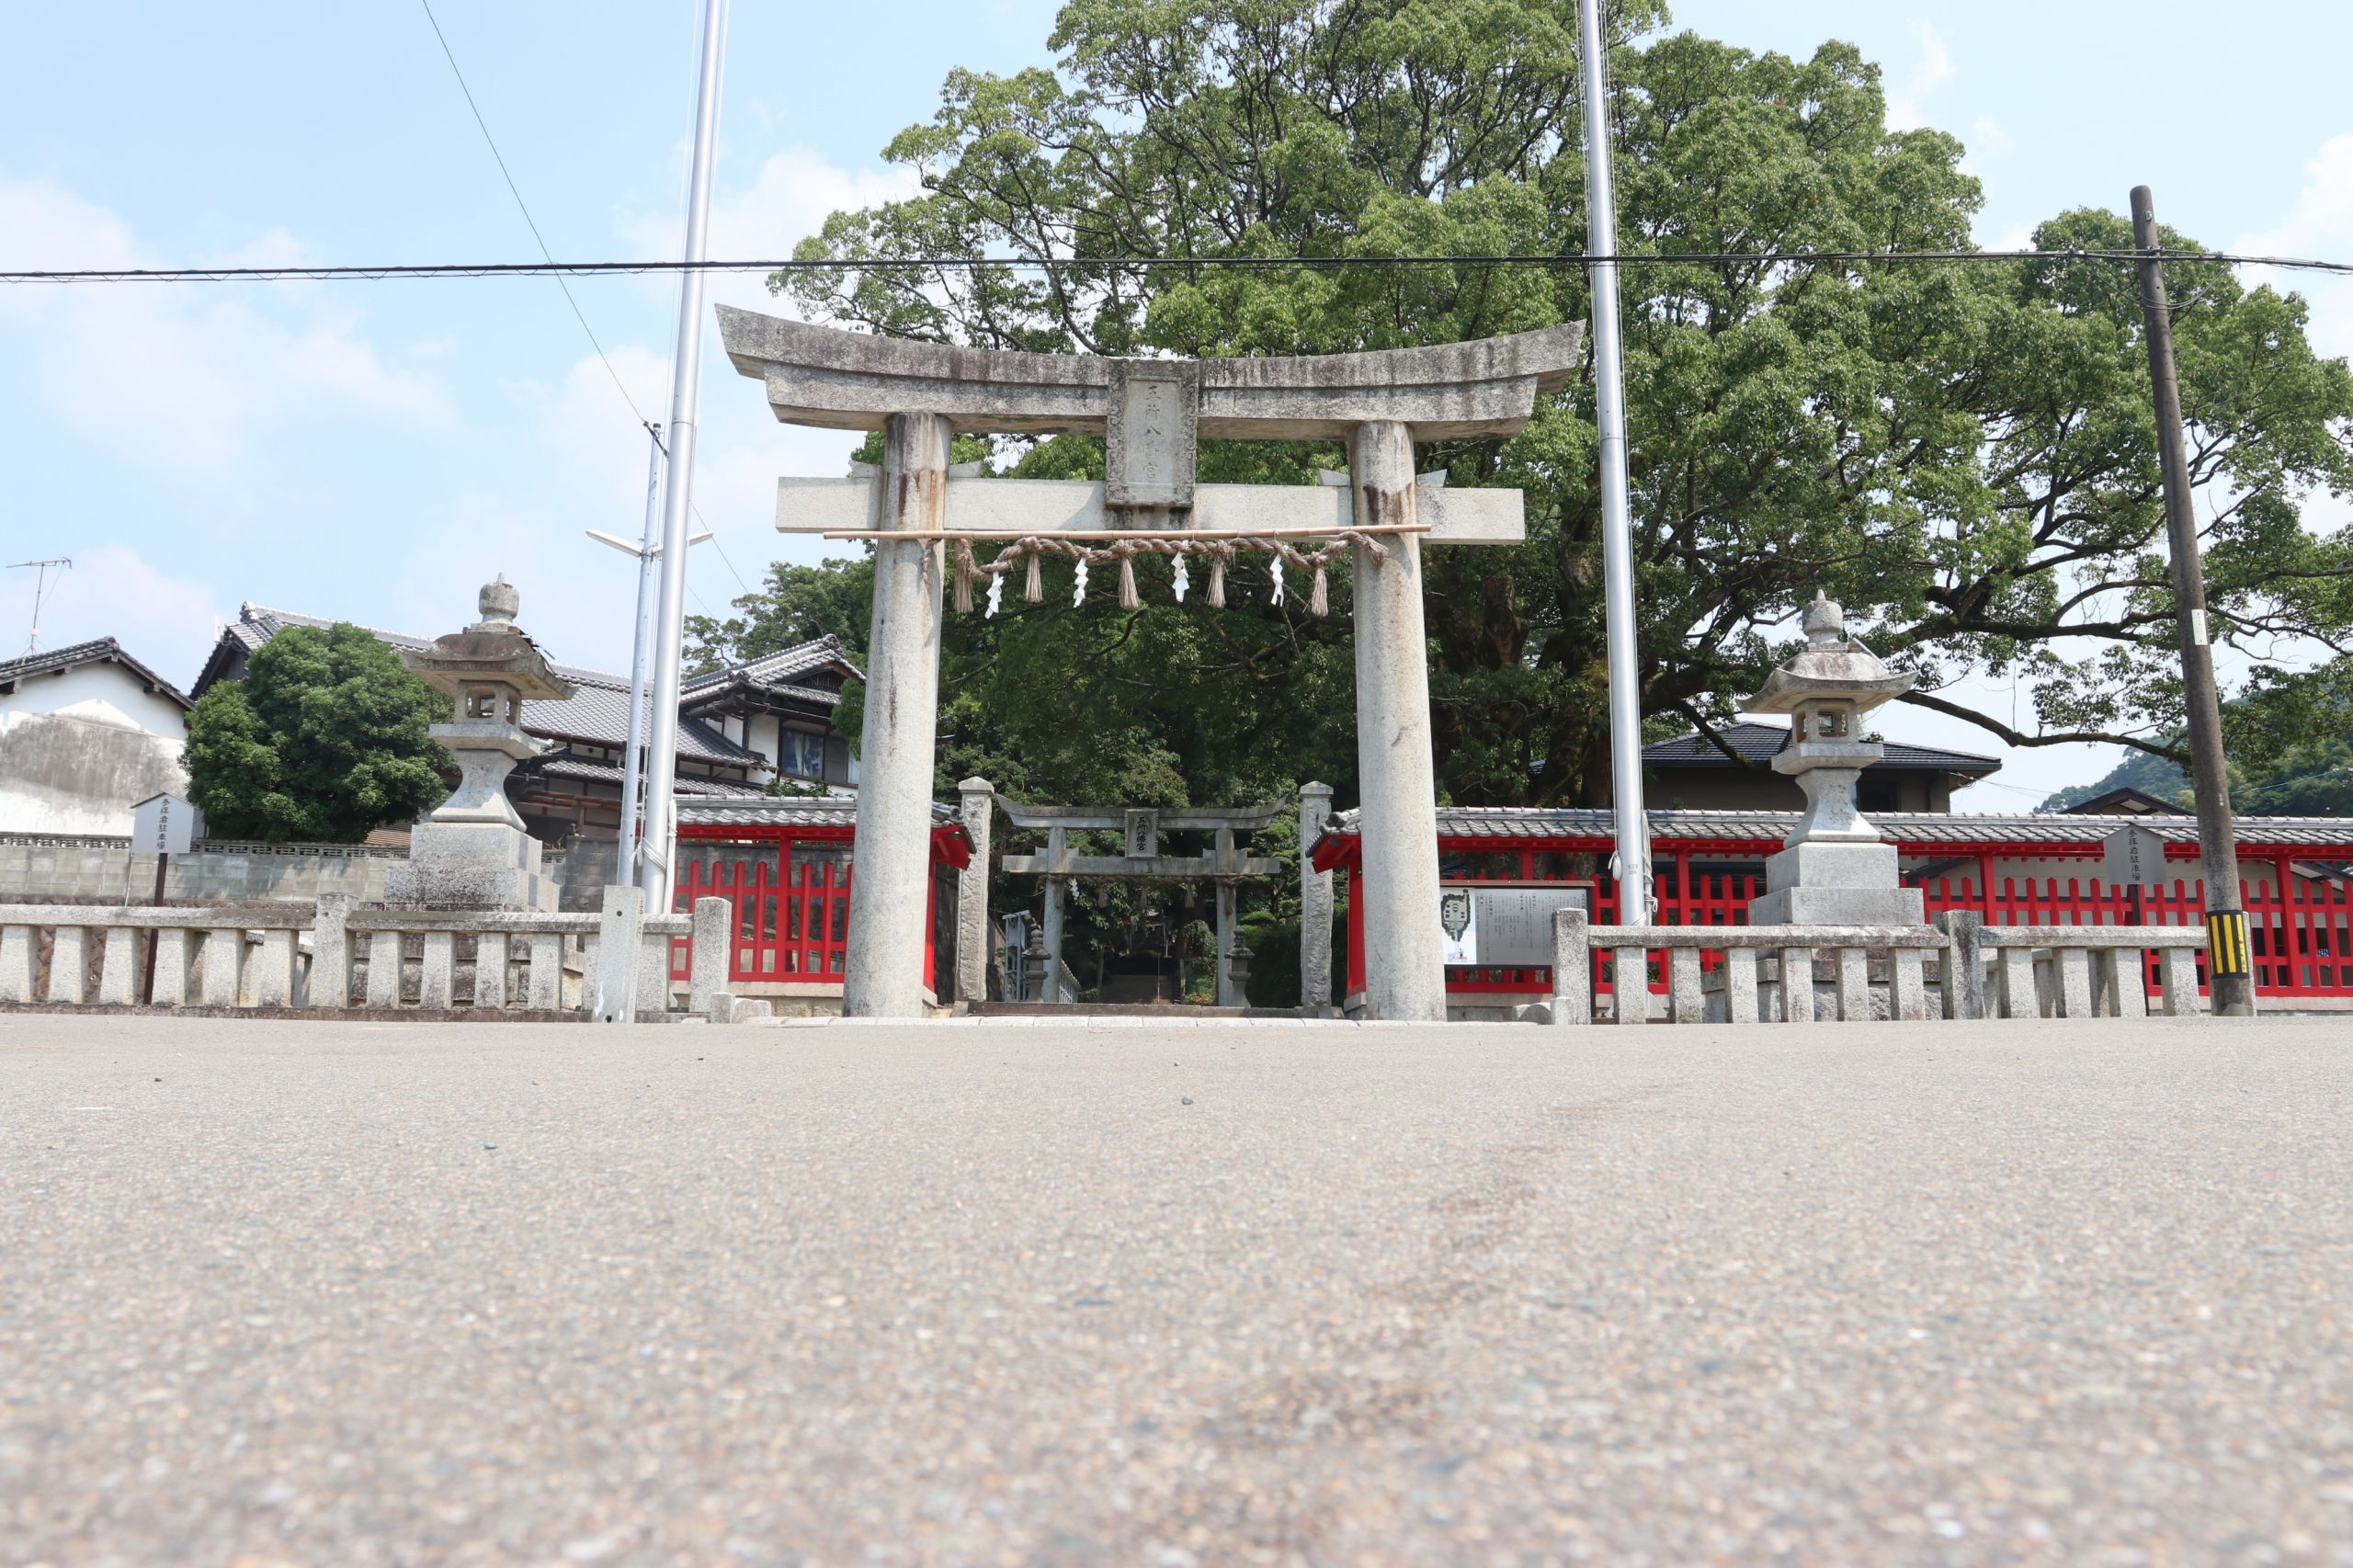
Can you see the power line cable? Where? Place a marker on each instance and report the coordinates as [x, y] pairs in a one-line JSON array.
[[558, 272], [1066, 264], [523, 207]]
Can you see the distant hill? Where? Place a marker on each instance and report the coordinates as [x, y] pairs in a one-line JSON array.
[[2313, 779], [2139, 770]]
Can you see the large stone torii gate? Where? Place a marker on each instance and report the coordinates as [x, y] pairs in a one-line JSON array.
[[1151, 411]]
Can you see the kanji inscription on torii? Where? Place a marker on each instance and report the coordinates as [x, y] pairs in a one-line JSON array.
[[1149, 433], [1151, 413]]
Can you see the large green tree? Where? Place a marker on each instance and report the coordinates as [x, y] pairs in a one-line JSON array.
[[1964, 453], [324, 739]]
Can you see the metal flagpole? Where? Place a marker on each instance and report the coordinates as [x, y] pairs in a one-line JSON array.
[[677, 491], [634, 759], [1616, 534]]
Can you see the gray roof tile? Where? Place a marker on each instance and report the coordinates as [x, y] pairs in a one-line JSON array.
[[564, 766], [99, 651], [782, 811], [1902, 827], [769, 669]]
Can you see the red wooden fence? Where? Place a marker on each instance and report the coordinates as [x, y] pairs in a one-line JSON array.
[[2301, 928], [789, 926]]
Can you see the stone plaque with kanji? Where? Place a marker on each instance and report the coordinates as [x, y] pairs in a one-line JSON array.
[[1150, 430]]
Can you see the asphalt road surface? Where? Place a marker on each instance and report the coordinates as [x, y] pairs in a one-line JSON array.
[[362, 1294]]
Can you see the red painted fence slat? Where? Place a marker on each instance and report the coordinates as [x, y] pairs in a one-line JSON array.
[[792, 926], [2301, 928]]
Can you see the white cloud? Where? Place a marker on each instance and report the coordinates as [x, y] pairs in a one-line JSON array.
[[179, 375], [2320, 224], [163, 621], [1905, 104], [790, 197], [741, 449]]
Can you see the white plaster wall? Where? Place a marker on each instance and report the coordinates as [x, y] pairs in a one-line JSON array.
[[103, 694], [64, 773]]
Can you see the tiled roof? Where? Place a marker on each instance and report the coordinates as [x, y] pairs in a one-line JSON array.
[[2126, 801], [774, 669], [1900, 827], [777, 810], [100, 651], [597, 712], [564, 766], [1757, 743]]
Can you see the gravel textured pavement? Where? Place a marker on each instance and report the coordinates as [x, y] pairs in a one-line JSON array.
[[355, 1294]]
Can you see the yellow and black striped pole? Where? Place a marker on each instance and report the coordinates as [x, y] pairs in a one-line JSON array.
[[2226, 945]]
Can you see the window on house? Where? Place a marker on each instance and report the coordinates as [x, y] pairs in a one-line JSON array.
[[800, 753]]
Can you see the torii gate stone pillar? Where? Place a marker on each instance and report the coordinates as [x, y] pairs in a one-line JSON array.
[[1151, 412]]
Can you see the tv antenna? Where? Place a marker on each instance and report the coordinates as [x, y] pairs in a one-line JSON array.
[[40, 586]]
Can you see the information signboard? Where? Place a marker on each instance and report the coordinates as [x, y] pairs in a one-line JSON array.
[[2133, 857], [1504, 927], [163, 824]]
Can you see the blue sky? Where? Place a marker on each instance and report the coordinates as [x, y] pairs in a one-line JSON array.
[[374, 450]]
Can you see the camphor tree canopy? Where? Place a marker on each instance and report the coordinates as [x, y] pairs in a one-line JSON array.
[[1964, 453], [326, 739]]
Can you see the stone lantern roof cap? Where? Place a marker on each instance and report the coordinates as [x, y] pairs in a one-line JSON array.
[[1831, 665], [493, 650]]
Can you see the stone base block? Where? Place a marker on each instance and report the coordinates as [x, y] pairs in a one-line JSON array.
[[470, 866], [1832, 864], [726, 1008], [1841, 906]]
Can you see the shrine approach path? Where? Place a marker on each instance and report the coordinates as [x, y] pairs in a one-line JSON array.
[[285, 1292]]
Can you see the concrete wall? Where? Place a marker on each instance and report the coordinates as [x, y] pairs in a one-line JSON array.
[[33, 872], [68, 773], [36, 872], [581, 871]]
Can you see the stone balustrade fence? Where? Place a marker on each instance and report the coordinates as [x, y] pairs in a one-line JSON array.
[[2068, 972], [341, 955]]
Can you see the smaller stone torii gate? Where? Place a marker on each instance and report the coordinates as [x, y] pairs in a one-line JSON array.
[[1143, 862], [1151, 413]]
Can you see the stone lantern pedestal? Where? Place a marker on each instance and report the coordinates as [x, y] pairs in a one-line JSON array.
[[1833, 870], [473, 852]]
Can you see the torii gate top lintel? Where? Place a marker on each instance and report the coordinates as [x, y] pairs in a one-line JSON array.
[[856, 380]]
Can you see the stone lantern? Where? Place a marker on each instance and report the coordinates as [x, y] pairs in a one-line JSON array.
[[1833, 868], [473, 852]]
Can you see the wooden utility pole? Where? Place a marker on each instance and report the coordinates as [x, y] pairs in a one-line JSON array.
[[2230, 981]]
